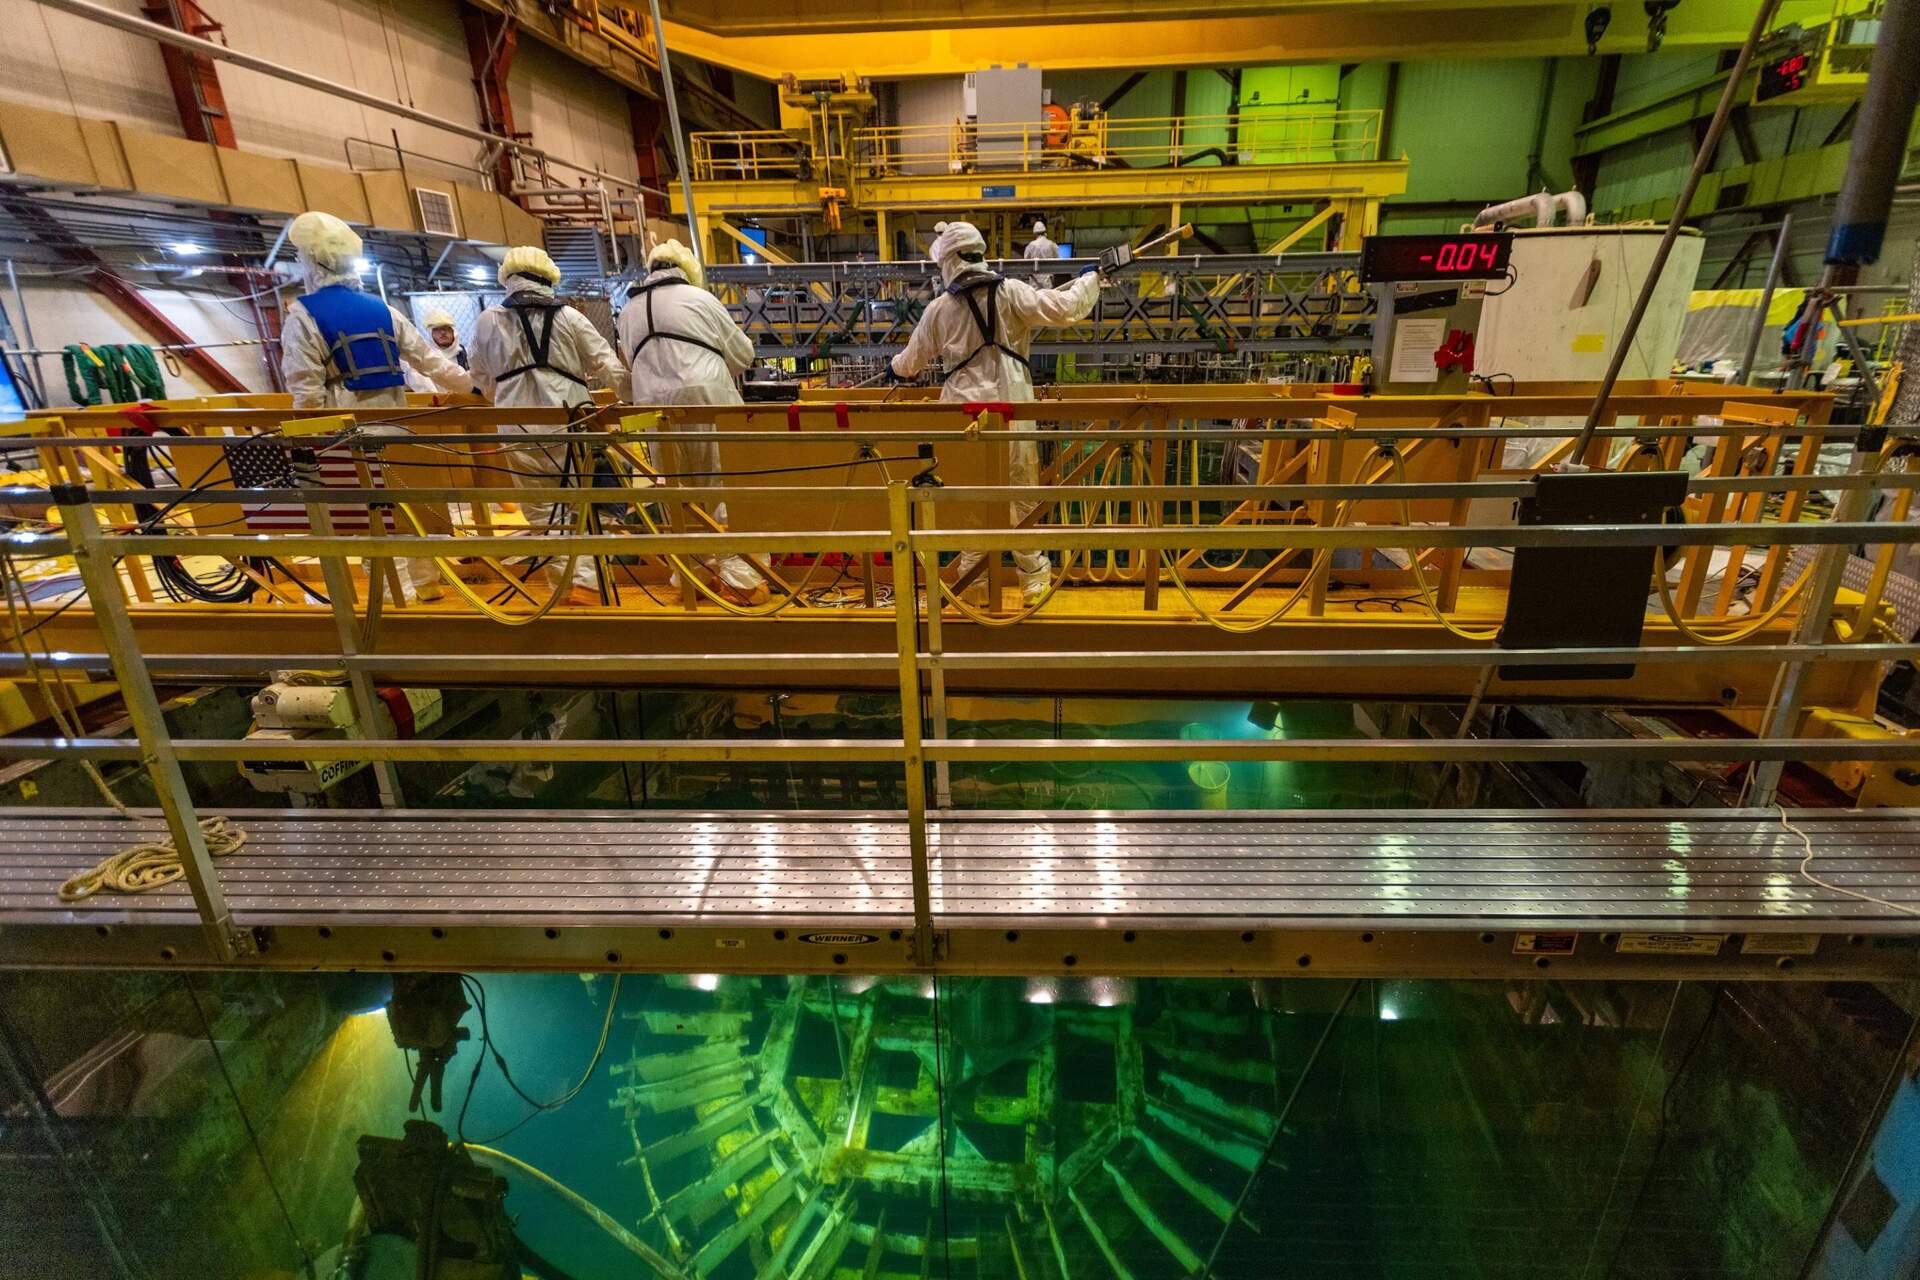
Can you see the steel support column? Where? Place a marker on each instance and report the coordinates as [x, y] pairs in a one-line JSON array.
[[193, 77], [644, 117], [491, 40]]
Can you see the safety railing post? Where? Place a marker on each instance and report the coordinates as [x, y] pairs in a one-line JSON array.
[[906, 636], [1829, 565], [366, 704], [102, 581], [936, 674]]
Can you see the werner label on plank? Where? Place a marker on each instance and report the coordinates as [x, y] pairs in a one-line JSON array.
[[1545, 944]]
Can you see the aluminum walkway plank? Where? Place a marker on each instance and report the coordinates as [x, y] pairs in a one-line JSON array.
[[1417, 892]]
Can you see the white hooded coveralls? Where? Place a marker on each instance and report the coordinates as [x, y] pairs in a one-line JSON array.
[[499, 348], [974, 375], [1041, 249], [686, 349]]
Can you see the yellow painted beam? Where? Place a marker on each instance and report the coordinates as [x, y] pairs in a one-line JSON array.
[[773, 38], [750, 244], [1362, 181]]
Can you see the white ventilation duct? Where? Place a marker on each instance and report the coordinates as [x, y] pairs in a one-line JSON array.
[[1542, 206]]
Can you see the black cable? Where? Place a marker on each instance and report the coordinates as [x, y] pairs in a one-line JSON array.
[[477, 993], [626, 779], [246, 1122], [229, 586], [1666, 1122], [46, 618], [1393, 602], [945, 1130]]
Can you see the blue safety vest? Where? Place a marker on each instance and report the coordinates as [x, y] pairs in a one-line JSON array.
[[362, 347]]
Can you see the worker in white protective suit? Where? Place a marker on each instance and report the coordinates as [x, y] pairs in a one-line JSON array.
[[686, 349], [982, 327], [341, 348], [446, 337], [1041, 249], [534, 351]]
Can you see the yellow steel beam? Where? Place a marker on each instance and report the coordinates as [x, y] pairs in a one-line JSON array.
[[1279, 246], [773, 38], [1362, 181], [771, 255], [751, 245]]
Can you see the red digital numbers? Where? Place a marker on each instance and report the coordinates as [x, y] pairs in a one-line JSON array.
[[1466, 255]]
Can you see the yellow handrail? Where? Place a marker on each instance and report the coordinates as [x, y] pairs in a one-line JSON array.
[[1277, 135]]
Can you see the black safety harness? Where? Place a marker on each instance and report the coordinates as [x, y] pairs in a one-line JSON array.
[[539, 346], [986, 320], [644, 292]]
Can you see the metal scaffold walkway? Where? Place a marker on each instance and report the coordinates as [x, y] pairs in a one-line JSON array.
[[1785, 662], [1583, 893]]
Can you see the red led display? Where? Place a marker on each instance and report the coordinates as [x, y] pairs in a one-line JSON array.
[[1783, 76], [1472, 256]]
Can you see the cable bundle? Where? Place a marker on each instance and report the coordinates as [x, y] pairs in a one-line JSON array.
[[113, 373]]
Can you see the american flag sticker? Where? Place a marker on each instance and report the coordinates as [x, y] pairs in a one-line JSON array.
[[268, 464]]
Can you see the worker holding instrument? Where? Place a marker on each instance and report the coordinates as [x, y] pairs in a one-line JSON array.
[[532, 350], [686, 349], [341, 348], [981, 326]]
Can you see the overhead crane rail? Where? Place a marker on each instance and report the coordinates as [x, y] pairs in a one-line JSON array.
[[1314, 482]]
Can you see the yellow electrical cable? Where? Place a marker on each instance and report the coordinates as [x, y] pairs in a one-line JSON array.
[[1398, 466], [448, 572], [1318, 561], [1754, 625], [687, 574], [1316, 564]]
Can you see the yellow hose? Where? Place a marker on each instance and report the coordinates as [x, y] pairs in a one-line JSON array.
[[1315, 565], [1753, 625], [448, 571], [1427, 597], [687, 573]]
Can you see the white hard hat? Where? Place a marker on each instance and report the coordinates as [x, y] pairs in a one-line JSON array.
[[672, 254], [439, 319], [1039, 227], [528, 260], [324, 239]]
